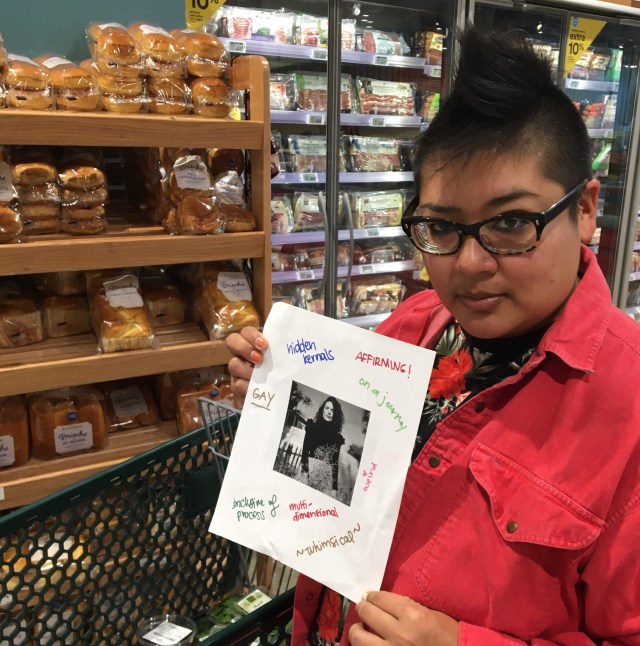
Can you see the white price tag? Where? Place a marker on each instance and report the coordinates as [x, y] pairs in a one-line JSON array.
[[7, 451], [123, 292], [574, 84], [309, 177], [307, 274], [128, 402], [6, 187], [319, 54], [73, 437], [167, 634], [191, 173], [237, 46], [436, 71], [379, 122], [367, 269], [380, 60], [372, 233], [315, 119], [234, 286]]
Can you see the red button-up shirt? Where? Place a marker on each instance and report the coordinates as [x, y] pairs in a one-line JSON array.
[[527, 528]]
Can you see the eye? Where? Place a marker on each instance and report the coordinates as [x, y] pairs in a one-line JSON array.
[[512, 223], [440, 227]]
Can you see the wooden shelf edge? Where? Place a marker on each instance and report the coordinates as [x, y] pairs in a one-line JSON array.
[[102, 252], [39, 478]]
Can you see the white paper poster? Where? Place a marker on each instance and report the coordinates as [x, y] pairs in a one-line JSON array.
[[322, 449]]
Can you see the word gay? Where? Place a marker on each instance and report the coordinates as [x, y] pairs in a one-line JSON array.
[[368, 476], [334, 541], [390, 407], [384, 362], [310, 352], [316, 513], [262, 398]]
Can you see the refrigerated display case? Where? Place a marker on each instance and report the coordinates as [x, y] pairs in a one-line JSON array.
[[345, 133], [596, 54]]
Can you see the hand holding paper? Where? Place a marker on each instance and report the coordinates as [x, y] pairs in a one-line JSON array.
[[322, 448]]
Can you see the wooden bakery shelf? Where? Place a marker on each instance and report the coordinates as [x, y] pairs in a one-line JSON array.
[[38, 478], [138, 246], [75, 360]]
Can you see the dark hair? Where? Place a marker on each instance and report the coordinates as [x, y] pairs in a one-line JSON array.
[[338, 415], [503, 100]]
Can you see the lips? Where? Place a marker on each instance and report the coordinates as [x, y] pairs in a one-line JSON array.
[[480, 301]]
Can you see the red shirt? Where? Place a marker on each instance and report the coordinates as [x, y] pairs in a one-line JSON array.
[[521, 516]]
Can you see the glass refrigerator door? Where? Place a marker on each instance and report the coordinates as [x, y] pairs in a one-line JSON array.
[[394, 66], [597, 66]]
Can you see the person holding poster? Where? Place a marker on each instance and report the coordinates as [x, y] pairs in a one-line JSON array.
[[520, 515]]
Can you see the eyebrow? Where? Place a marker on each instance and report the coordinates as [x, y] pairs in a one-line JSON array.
[[500, 200]]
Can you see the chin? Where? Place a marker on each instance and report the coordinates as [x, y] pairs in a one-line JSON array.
[[487, 328]]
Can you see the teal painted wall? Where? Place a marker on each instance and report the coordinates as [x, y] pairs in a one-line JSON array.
[[34, 27]]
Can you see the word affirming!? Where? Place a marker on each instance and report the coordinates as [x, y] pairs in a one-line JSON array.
[[384, 362], [262, 398], [381, 402], [368, 475], [329, 543], [309, 351]]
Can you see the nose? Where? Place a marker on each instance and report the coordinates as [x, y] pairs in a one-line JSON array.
[[473, 258]]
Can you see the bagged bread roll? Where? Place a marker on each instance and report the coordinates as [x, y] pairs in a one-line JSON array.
[[190, 177], [81, 171], [66, 421], [65, 316], [114, 44], [80, 197], [204, 54], [43, 193], [20, 318], [11, 225], [189, 417], [166, 305], [129, 404], [169, 96], [223, 299], [22, 73], [38, 172], [120, 319], [156, 43], [210, 97], [75, 88], [14, 432], [223, 160], [168, 384]]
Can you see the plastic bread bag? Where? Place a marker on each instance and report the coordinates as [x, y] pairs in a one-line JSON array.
[[91, 197], [65, 316], [75, 88], [169, 96], [48, 193], [24, 74], [11, 225], [168, 384], [223, 160], [20, 318], [120, 319], [385, 97], [80, 169], [83, 220], [33, 225], [14, 431], [112, 45], [129, 404], [204, 54], [224, 300], [67, 421], [188, 396], [281, 213], [124, 104], [164, 302], [377, 208], [211, 97], [61, 283]]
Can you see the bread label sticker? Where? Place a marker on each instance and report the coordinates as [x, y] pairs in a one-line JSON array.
[[152, 29], [22, 59], [54, 61], [234, 285], [73, 437], [123, 292], [128, 402], [7, 451], [253, 601], [6, 187], [167, 634], [104, 25], [191, 172]]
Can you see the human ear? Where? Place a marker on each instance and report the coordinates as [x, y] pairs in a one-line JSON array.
[[587, 210]]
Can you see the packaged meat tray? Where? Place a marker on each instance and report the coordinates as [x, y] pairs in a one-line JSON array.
[[311, 298], [385, 97], [281, 214], [308, 211], [311, 92], [282, 92], [375, 296], [255, 24], [377, 208], [428, 44], [374, 154], [348, 35], [311, 31], [381, 42], [307, 154]]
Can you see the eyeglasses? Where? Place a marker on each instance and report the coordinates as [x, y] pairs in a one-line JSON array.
[[511, 233]]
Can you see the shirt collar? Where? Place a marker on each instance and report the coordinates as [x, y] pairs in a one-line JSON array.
[[577, 333]]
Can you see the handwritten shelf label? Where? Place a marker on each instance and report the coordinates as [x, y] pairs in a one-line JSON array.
[[73, 437]]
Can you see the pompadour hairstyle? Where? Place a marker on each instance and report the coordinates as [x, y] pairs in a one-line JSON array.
[[504, 100]]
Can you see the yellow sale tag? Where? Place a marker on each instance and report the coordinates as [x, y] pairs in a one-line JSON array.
[[199, 12], [582, 32]]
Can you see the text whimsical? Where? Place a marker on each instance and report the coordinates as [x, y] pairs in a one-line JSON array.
[[309, 351], [381, 400], [329, 543]]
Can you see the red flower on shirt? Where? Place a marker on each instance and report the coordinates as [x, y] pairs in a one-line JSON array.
[[447, 379], [329, 617]]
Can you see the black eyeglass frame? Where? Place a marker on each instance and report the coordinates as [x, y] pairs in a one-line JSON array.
[[540, 220]]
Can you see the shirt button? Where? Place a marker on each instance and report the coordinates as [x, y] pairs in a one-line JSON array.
[[512, 526], [434, 461], [310, 596], [479, 407]]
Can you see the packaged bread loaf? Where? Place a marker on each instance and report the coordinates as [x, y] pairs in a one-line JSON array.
[[120, 319], [28, 84], [14, 432], [229, 192], [189, 417], [223, 299], [203, 53], [166, 305], [32, 166], [129, 404], [20, 318], [223, 160], [65, 316], [74, 88], [11, 226], [66, 421], [169, 383]]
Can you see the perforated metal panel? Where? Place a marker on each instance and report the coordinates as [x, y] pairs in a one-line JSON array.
[[86, 565]]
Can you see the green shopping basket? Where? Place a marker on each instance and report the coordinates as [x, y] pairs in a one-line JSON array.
[[88, 564]]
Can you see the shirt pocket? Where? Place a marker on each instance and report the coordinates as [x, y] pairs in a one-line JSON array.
[[525, 508]]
